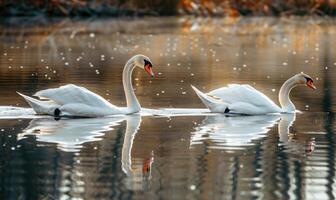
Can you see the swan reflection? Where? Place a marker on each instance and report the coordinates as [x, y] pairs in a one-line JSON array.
[[139, 171], [233, 132], [70, 134], [238, 132], [290, 141]]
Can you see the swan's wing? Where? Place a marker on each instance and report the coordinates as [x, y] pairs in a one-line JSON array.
[[234, 93], [73, 94]]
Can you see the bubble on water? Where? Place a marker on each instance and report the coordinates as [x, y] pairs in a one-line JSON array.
[[92, 35], [168, 64], [182, 81], [5, 54], [294, 52], [184, 92], [162, 91], [237, 54], [97, 71], [235, 68], [66, 63], [244, 65], [159, 73], [2, 130], [317, 78], [273, 90], [95, 148], [157, 94], [78, 161], [54, 71], [306, 61], [335, 63], [91, 65], [111, 57], [326, 68], [9, 67], [284, 63], [217, 60], [21, 67], [12, 148], [42, 60], [192, 74], [268, 77]]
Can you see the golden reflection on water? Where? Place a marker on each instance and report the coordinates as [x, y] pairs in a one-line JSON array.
[[187, 157]]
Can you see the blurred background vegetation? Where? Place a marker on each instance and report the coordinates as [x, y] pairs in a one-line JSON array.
[[93, 8]]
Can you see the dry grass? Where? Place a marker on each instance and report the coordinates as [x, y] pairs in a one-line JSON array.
[[166, 7]]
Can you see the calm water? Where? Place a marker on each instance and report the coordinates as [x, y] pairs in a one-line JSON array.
[[177, 157]]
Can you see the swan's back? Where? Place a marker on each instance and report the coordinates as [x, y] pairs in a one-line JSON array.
[[236, 93], [72, 94]]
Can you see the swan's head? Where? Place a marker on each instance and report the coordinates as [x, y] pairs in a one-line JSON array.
[[144, 63], [304, 79]]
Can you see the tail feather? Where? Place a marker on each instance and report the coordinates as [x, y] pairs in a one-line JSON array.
[[210, 102], [40, 107]]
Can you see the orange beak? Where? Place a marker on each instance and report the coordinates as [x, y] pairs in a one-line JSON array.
[[311, 85], [149, 71]]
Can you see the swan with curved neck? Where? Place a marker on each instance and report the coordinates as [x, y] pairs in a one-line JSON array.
[[244, 99], [72, 100]]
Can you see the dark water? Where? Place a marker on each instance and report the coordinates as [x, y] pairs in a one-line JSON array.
[[178, 157]]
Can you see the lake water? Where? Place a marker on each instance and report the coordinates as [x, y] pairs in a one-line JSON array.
[[209, 156]]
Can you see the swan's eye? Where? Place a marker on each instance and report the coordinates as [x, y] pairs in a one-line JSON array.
[[309, 80], [148, 63]]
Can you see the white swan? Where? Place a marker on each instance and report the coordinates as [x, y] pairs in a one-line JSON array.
[[244, 99], [72, 100]]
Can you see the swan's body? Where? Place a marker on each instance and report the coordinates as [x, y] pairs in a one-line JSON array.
[[244, 99], [72, 100]]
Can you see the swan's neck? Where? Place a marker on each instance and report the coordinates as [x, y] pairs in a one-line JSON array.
[[285, 102], [132, 102]]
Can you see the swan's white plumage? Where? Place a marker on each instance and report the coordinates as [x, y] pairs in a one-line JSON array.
[[244, 99], [73, 94], [240, 99], [72, 100], [235, 93]]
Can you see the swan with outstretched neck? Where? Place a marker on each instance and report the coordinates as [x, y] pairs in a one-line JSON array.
[[244, 99], [72, 100]]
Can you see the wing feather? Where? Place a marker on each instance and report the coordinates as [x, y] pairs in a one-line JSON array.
[[73, 94], [234, 93]]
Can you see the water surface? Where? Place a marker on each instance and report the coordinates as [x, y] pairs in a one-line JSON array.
[[176, 157]]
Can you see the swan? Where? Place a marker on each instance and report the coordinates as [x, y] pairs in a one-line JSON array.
[[76, 101], [244, 99]]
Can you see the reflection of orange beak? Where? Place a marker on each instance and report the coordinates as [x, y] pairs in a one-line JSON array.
[[147, 165], [149, 71], [311, 85]]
